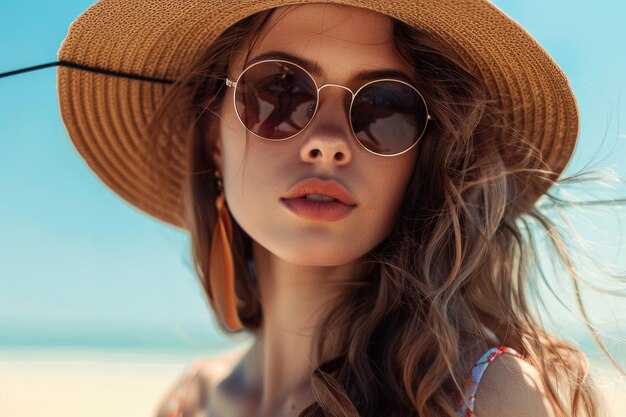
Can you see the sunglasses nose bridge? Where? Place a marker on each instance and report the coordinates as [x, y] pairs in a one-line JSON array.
[[335, 85], [346, 102]]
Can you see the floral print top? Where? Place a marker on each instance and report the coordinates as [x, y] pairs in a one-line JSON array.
[[176, 406], [466, 408]]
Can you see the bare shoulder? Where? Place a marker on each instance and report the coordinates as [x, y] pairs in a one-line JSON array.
[[190, 392], [187, 395], [511, 387]]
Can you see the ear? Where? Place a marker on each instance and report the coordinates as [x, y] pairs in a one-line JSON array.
[[214, 145], [216, 154]]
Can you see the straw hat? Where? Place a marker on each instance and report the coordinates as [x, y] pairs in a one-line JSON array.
[[106, 115]]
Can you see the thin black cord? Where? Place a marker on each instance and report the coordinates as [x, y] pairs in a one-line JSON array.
[[88, 68]]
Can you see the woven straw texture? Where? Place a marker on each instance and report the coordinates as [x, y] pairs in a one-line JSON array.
[[106, 116]]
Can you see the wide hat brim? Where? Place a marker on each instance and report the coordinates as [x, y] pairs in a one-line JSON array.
[[106, 116]]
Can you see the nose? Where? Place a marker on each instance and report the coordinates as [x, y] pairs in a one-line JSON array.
[[327, 148], [329, 133]]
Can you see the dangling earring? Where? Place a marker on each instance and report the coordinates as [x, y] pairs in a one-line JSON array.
[[222, 269]]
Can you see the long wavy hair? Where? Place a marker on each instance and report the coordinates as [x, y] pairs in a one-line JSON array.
[[451, 278]]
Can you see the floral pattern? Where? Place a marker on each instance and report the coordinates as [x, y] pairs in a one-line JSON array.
[[466, 408]]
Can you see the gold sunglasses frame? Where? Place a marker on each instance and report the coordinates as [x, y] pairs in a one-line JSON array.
[[233, 84]]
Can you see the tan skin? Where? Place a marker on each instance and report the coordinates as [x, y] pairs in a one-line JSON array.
[[302, 263]]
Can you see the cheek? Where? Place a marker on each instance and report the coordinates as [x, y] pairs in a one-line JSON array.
[[231, 135], [391, 184], [385, 195], [249, 182]]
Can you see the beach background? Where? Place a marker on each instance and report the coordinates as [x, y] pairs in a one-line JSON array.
[[99, 308]]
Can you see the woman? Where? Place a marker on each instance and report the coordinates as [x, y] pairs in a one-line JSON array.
[[355, 180]]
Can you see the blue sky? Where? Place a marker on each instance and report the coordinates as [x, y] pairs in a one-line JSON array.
[[79, 264]]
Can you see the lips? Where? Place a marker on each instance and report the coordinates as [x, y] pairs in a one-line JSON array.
[[318, 186], [319, 209]]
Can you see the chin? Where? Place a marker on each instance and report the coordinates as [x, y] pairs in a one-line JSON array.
[[317, 259], [313, 246], [316, 255]]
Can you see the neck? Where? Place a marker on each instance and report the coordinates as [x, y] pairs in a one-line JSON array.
[[295, 299]]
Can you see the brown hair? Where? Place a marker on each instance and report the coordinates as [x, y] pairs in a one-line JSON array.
[[451, 277]]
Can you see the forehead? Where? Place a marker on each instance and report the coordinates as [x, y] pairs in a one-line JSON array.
[[341, 39], [338, 22]]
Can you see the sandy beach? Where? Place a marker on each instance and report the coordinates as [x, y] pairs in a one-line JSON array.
[[83, 388], [120, 388]]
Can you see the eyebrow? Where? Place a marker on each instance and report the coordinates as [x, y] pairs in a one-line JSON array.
[[315, 69]]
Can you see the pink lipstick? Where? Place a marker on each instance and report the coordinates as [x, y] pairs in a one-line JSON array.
[[319, 200]]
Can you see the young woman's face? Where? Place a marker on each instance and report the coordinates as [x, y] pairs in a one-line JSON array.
[[342, 41]]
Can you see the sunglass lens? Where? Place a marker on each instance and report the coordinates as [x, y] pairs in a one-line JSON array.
[[275, 100], [388, 117]]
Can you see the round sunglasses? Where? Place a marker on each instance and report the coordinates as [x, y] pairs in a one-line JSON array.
[[277, 99]]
